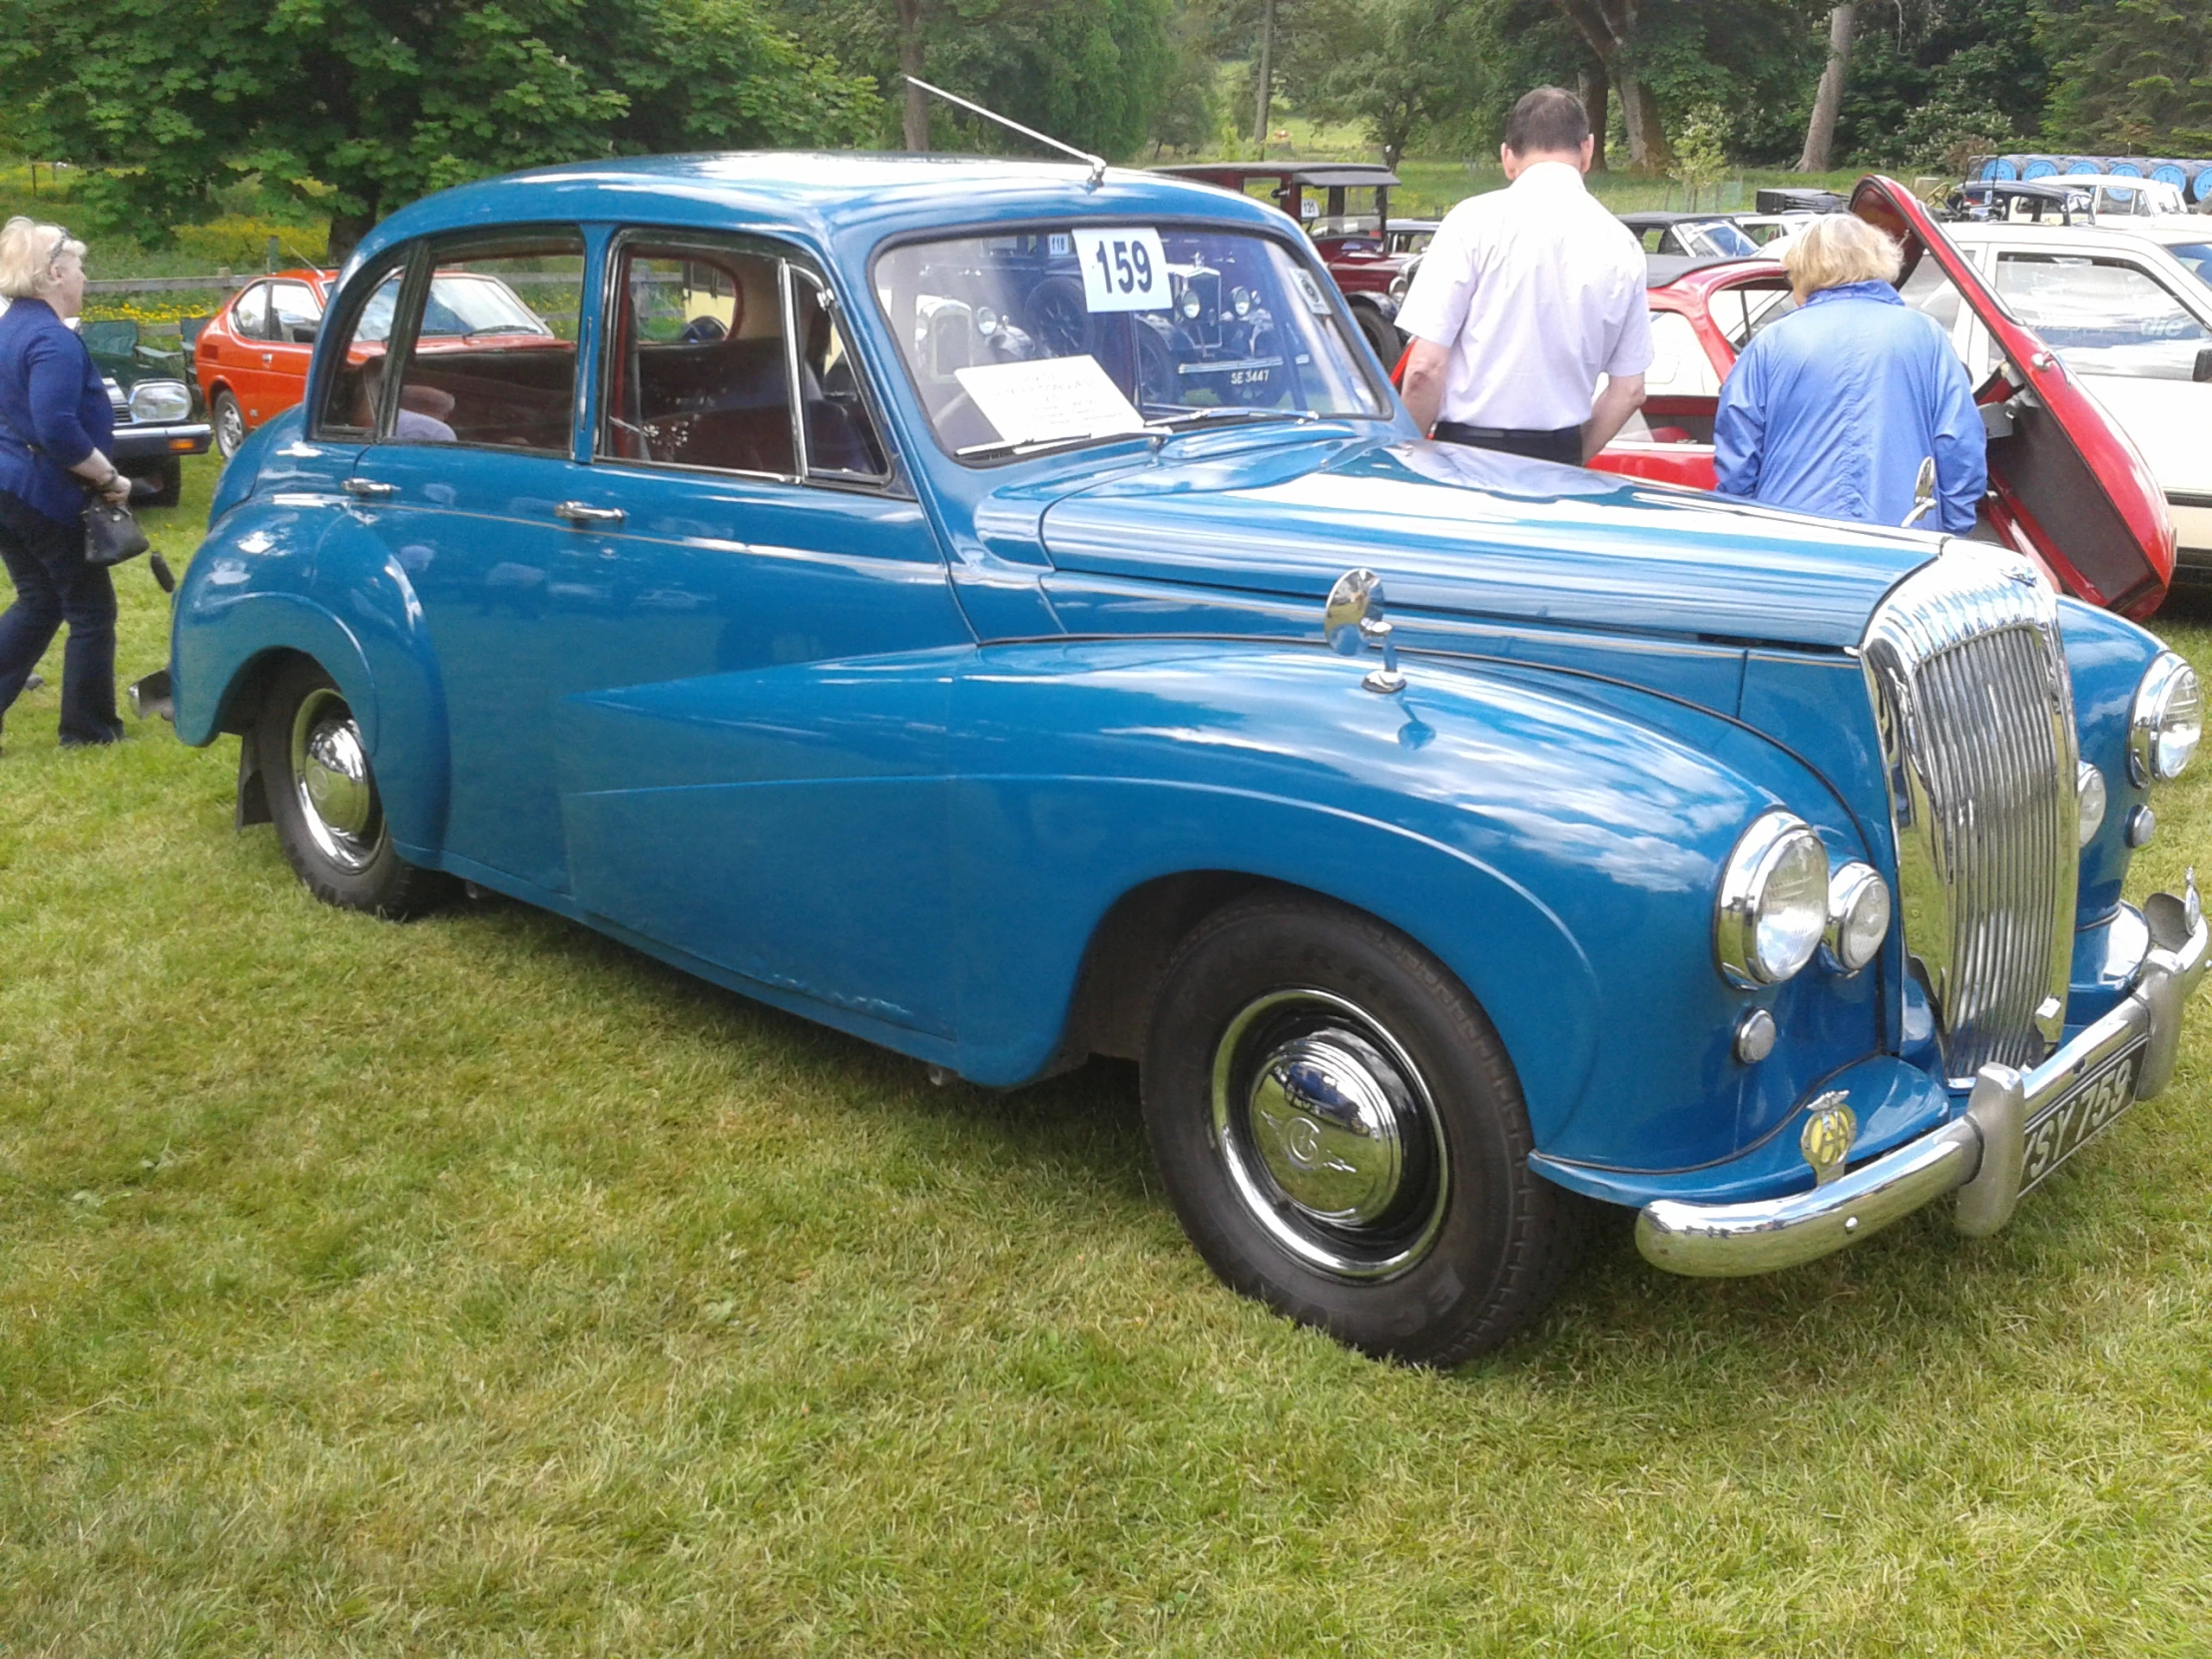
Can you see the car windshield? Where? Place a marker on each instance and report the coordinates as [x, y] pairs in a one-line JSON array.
[[1055, 336], [1718, 241]]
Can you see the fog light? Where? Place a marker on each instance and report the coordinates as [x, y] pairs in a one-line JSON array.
[[1857, 916], [2090, 800]]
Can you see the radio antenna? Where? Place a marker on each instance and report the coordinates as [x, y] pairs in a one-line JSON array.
[[1097, 163]]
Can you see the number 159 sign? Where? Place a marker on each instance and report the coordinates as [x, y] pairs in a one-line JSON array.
[[1123, 270]]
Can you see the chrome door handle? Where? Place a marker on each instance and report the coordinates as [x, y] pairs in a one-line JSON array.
[[581, 513], [369, 489], [268, 357]]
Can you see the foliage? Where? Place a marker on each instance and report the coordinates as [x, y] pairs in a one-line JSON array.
[[480, 1286], [1952, 76], [1394, 67], [2131, 74], [381, 101], [1701, 148], [1092, 73]]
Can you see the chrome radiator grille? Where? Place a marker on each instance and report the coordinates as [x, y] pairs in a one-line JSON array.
[[1976, 717]]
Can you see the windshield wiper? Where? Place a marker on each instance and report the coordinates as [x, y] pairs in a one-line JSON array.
[[1039, 446], [1202, 417]]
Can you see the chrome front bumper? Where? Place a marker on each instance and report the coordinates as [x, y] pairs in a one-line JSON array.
[[1980, 1155]]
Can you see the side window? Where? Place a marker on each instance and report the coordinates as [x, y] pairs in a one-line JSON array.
[[2103, 316], [356, 373], [1741, 311], [492, 361], [698, 371], [1929, 289], [841, 440], [294, 313], [250, 317]]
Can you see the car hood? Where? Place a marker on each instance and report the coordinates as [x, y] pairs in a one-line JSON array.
[[1458, 530]]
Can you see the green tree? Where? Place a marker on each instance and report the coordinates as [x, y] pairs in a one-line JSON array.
[[1089, 72], [1952, 74], [2130, 75], [367, 104], [1397, 67]]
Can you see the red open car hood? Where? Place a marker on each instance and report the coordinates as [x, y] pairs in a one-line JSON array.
[[2075, 484]]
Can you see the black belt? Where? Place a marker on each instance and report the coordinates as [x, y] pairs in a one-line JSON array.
[[1452, 432]]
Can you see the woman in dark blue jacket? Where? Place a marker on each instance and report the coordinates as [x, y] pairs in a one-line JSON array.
[[55, 424]]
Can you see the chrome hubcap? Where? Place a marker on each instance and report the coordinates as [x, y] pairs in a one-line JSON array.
[[331, 776], [1329, 1135], [230, 428]]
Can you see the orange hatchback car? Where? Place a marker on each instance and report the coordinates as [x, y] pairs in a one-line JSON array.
[[252, 357]]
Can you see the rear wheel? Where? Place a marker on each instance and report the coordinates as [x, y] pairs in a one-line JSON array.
[[1381, 334], [324, 800], [1342, 1136], [230, 423]]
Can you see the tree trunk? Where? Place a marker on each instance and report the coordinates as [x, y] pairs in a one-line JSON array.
[[1608, 27], [1647, 138], [1820, 132], [911, 63], [1596, 88], [346, 231], [1266, 93]]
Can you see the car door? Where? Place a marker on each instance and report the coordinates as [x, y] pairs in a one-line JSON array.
[[474, 409], [758, 777], [295, 316], [239, 351], [2073, 487]]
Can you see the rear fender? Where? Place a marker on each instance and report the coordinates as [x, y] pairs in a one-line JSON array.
[[1561, 857]]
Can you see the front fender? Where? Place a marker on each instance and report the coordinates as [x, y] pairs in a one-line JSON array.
[[2106, 656], [1560, 856], [275, 580]]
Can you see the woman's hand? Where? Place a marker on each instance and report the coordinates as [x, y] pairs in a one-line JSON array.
[[116, 490]]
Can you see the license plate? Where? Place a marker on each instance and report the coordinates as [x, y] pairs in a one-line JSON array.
[[2092, 1106]]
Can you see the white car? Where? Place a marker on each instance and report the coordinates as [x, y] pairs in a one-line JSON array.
[[2129, 312]]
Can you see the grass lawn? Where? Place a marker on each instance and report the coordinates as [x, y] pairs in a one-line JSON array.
[[480, 1286]]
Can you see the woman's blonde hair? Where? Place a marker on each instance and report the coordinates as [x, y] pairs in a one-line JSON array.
[[1837, 248], [29, 254]]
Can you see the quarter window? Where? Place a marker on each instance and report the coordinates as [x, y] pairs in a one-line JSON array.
[[250, 317], [355, 375], [2102, 317], [294, 313]]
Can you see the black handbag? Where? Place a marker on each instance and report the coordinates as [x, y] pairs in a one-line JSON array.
[[112, 533]]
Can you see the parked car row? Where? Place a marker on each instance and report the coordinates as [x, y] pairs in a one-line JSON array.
[[916, 594]]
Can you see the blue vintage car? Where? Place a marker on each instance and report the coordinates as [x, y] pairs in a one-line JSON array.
[[916, 593]]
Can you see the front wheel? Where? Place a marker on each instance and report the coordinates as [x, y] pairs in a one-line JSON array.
[[323, 800], [1381, 334], [1344, 1138]]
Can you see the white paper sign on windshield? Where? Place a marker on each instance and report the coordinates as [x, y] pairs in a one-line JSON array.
[[1123, 270], [1054, 397]]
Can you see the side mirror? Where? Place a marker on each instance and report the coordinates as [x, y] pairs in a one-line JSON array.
[[1923, 492], [2203, 369], [1352, 620]]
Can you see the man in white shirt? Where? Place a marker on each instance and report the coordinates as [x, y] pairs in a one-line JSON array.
[[1525, 297]]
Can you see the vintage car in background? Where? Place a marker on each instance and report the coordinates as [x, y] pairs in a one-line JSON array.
[[2041, 200], [2127, 305], [1345, 209], [2068, 487], [252, 357], [158, 421], [1690, 236], [903, 650]]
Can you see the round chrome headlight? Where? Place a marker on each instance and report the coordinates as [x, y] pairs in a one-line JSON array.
[[1857, 916], [2167, 721], [158, 402], [986, 322], [1240, 300], [2090, 800], [1773, 907], [1192, 304]]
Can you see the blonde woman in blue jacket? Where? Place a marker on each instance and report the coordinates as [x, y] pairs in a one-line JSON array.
[[55, 426]]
